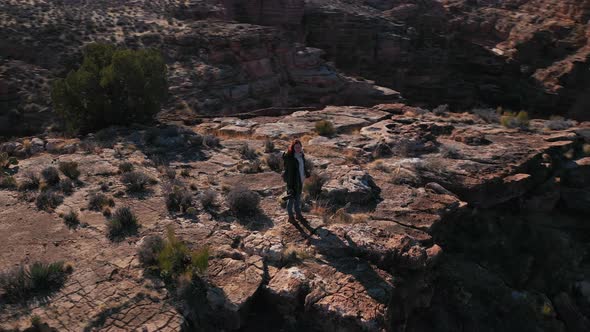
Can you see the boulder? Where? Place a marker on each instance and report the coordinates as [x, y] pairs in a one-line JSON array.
[[350, 184]]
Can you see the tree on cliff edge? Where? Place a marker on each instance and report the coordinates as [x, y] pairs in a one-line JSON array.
[[111, 87]]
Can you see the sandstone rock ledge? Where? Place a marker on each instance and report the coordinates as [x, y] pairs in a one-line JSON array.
[[398, 179]]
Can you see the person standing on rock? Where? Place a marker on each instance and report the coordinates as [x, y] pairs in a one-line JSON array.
[[294, 174]]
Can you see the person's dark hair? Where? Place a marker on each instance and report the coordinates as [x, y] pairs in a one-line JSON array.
[[291, 148]]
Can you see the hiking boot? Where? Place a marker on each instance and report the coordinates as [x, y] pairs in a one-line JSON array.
[[292, 220]]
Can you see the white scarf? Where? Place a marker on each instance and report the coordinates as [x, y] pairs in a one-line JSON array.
[[299, 157]]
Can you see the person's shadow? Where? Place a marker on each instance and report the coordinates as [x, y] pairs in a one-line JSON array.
[[347, 259]]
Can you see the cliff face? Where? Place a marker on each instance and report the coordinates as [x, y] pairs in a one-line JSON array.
[[547, 40], [520, 54], [215, 66]]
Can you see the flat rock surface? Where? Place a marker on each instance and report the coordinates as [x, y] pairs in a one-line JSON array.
[[339, 270]]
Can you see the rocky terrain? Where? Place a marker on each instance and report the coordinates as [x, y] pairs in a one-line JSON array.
[[426, 221], [236, 56], [420, 217]]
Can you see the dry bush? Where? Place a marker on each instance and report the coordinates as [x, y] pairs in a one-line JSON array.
[[243, 201]]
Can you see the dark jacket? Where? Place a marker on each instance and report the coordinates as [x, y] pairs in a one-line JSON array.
[[291, 172]]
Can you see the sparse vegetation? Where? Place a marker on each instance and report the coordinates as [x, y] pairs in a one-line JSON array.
[[178, 198], [269, 145], [170, 173], [149, 250], [98, 201], [242, 201], [325, 128], [274, 162], [122, 223], [313, 186], [66, 186], [450, 152], [7, 182], [172, 257], [71, 219], [30, 181], [50, 175], [379, 165], [136, 181], [208, 199], [515, 120], [558, 123], [70, 169], [250, 167], [185, 172], [489, 115], [126, 167], [247, 152], [38, 279], [293, 255], [405, 175], [211, 141], [112, 87], [6, 161], [48, 200]]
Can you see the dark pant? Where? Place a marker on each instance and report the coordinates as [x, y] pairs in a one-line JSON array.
[[295, 199]]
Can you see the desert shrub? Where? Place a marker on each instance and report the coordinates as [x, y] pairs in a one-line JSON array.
[[149, 250], [191, 212], [7, 182], [98, 201], [489, 115], [381, 149], [3, 160], [38, 279], [66, 186], [111, 87], [274, 162], [341, 216], [247, 152], [178, 198], [71, 219], [185, 172], [211, 141], [243, 201], [515, 120], [122, 223], [405, 175], [208, 199], [170, 173], [380, 166], [48, 200], [30, 181], [50, 175], [136, 181], [292, 255], [126, 167], [6, 161], [432, 165], [269, 145], [313, 186], [36, 321], [104, 186], [558, 123], [176, 259], [450, 152], [251, 167], [70, 169], [441, 109], [325, 128]]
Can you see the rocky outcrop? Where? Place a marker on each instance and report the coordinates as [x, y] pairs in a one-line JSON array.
[[424, 217]]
